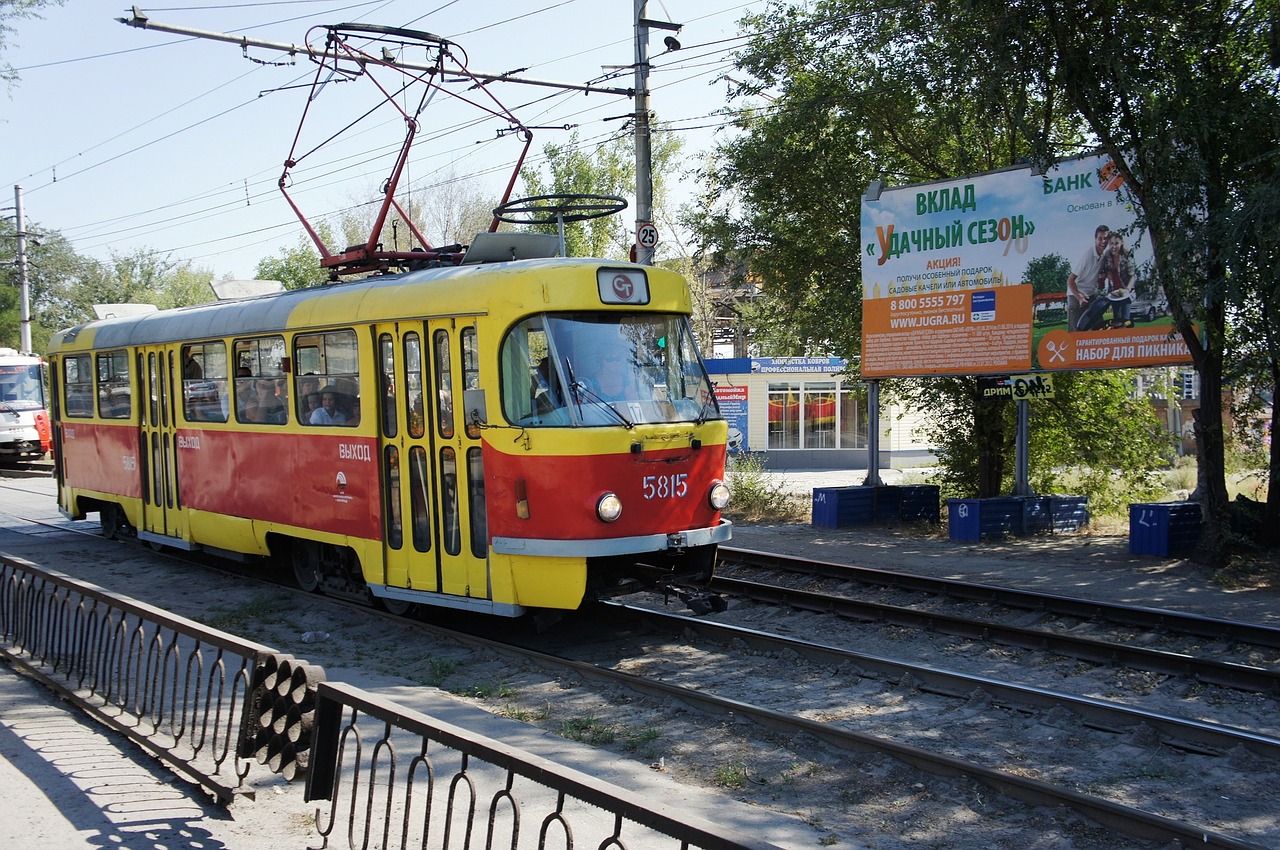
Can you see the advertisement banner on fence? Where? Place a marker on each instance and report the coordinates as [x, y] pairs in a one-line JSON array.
[[1011, 271]]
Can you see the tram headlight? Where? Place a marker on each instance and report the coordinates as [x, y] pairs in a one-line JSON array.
[[719, 496], [609, 507]]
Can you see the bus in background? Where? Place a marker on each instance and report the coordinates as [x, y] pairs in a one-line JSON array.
[[24, 417]]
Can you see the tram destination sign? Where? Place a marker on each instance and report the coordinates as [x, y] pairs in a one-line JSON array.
[[971, 276]]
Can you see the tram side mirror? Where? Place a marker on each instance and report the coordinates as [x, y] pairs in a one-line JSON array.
[[473, 404]]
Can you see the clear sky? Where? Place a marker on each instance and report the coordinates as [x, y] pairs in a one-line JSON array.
[[125, 139]]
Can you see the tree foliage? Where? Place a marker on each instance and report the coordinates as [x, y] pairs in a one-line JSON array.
[[1093, 438], [1184, 97], [297, 267], [853, 93], [607, 169], [64, 286]]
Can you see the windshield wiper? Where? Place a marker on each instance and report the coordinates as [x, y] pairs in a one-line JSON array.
[[579, 387]]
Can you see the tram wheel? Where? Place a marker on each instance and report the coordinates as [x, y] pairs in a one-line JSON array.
[[399, 607], [306, 566]]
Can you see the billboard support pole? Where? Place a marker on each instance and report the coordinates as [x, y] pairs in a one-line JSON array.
[[873, 436], [1022, 483]]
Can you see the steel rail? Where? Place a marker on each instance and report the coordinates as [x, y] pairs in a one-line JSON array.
[[1125, 819], [1196, 736], [1226, 674], [1088, 609]]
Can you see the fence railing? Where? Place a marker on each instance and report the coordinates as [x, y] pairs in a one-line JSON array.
[[396, 778], [173, 686], [210, 704]]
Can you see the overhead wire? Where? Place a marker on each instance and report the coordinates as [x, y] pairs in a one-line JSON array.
[[237, 187]]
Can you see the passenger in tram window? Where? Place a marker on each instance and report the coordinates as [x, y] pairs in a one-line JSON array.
[[308, 385], [349, 398], [272, 401], [246, 396], [416, 416], [310, 405], [191, 370], [328, 412]]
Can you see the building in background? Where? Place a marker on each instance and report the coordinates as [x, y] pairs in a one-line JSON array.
[[804, 413]]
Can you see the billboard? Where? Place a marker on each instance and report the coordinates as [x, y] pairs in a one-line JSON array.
[[1011, 271]]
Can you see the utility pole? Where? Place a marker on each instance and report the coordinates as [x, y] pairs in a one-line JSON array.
[[23, 287], [644, 146]]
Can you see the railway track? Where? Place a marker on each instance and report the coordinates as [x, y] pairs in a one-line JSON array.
[[827, 693], [1058, 618]]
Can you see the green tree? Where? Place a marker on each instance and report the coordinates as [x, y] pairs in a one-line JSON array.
[[297, 267], [1184, 97], [606, 169], [65, 287], [50, 262], [185, 286], [838, 94]]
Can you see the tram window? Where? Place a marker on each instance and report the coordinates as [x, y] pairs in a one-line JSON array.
[[22, 386], [418, 501], [387, 383], [444, 384], [115, 398], [475, 496], [77, 380], [204, 382], [470, 373], [391, 475], [574, 369], [413, 386], [531, 392], [328, 380], [262, 392], [452, 535]]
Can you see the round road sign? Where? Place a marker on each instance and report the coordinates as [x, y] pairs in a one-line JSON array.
[[647, 235]]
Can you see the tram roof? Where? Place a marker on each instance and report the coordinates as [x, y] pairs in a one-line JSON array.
[[298, 308]]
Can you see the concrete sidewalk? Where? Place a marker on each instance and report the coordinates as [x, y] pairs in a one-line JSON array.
[[69, 783]]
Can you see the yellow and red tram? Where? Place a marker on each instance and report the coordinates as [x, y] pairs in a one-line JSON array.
[[443, 436]]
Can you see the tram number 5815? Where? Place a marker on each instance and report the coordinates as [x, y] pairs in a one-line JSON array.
[[674, 486]]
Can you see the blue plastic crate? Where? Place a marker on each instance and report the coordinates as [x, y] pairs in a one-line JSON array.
[[970, 520], [921, 503], [1164, 528], [1037, 517], [888, 507], [1068, 513], [840, 507]]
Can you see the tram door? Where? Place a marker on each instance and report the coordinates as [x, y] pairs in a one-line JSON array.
[[161, 501], [435, 537]]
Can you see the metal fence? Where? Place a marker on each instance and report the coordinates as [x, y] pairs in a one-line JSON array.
[[211, 704], [178, 689], [396, 778]]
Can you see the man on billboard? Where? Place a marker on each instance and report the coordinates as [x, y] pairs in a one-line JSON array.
[[1082, 283], [1115, 288]]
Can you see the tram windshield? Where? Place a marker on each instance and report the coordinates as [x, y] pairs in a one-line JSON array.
[[574, 369], [21, 387]]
